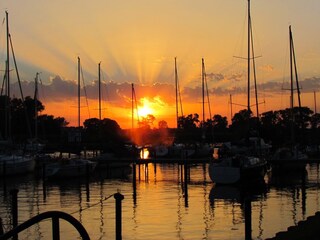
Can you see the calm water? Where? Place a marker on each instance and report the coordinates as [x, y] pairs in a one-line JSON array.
[[159, 208]]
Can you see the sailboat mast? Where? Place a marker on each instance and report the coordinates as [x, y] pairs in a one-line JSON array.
[[291, 71], [295, 71], [254, 73], [79, 92], [291, 85], [231, 113], [8, 108], [176, 84], [132, 107], [36, 106], [99, 80], [315, 102], [8, 56], [203, 111], [249, 43]]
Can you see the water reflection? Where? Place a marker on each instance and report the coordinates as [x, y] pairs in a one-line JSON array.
[[292, 185], [240, 199], [238, 194], [144, 153], [169, 201]]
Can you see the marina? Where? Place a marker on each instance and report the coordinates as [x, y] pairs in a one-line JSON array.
[[139, 166]]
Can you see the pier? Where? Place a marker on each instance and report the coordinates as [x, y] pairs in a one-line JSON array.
[[308, 229]]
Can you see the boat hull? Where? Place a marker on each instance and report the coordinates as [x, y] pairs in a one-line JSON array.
[[16, 164], [229, 171], [69, 169]]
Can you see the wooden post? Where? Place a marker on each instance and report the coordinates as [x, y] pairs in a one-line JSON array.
[[134, 183], [119, 197], [186, 179], [247, 218], [44, 183], [1, 227]]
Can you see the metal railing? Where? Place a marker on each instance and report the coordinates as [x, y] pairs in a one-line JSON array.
[[55, 217]]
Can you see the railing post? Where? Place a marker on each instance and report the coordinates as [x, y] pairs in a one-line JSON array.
[[119, 197], [14, 208], [55, 228]]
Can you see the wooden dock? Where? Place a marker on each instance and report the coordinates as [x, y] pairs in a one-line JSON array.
[[308, 229]]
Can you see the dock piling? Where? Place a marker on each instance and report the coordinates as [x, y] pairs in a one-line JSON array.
[[118, 197]]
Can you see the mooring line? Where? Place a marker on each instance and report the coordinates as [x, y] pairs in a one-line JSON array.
[[102, 200]]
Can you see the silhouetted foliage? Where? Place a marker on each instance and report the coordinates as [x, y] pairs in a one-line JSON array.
[[50, 128], [105, 133], [299, 125], [147, 122], [288, 126], [23, 120], [162, 124], [240, 126], [188, 128]]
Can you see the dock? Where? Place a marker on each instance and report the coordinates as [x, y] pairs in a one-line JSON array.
[[307, 229]]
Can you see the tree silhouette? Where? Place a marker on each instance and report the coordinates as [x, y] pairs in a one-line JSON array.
[[162, 124]]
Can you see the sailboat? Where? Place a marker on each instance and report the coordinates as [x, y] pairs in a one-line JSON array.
[[204, 149], [291, 157], [230, 168], [12, 161], [34, 145], [179, 150], [71, 167]]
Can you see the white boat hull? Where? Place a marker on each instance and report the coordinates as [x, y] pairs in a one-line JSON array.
[[233, 170]]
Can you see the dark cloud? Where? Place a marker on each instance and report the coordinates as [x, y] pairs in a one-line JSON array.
[[306, 85], [235, 77], [215, 76], [310, 84], [119, 94]]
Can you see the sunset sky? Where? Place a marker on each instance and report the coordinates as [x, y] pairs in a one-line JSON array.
[[136, 42]]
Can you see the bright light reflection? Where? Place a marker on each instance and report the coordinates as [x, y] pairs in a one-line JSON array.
[[144, 153]]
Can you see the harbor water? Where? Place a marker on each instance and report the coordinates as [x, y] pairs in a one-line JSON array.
[[163, 203]]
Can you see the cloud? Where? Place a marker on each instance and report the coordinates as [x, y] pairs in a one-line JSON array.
[[310, 84], [215, 76], [267, 68], [235, 77], [119, 94]]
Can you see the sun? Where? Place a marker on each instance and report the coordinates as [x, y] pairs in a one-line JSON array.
[[145, 108]]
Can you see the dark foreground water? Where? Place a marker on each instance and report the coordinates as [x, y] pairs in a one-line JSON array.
[[161, 207]]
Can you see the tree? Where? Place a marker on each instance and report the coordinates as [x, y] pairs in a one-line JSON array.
[[105, 132], [50, 127], [147, 121], [315, 121], [189, 122], [219, 122], [188, 129], [162, 124], [23, 115], [241, 124]]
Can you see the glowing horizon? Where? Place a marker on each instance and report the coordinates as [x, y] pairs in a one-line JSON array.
[[137, 42]]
